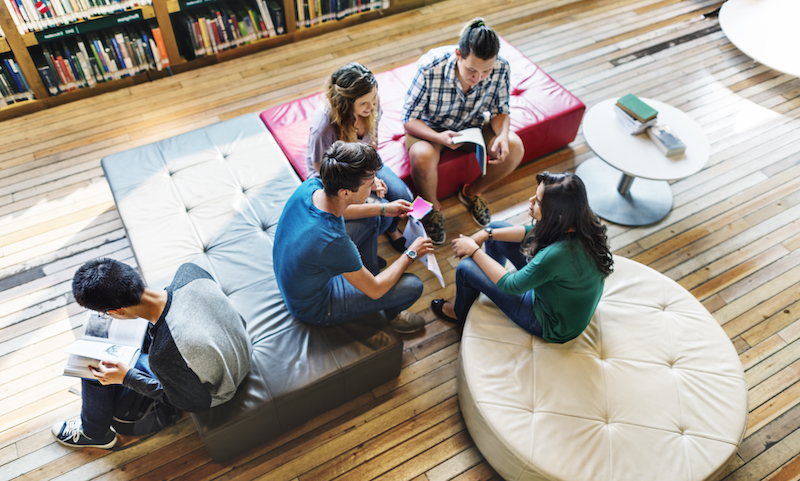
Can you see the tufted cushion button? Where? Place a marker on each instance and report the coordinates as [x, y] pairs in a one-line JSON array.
[[517, 91]]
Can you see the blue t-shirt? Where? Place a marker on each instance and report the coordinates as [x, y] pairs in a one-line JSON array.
[[311, 248]]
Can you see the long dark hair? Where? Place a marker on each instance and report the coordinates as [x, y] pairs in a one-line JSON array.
[[564, 207]]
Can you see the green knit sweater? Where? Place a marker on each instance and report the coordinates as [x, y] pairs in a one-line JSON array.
[[566, 287]]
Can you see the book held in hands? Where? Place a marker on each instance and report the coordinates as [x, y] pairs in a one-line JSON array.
[[474, 136], [666, 141], [105, 339]]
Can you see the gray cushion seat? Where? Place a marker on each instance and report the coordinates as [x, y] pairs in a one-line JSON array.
[[213, 197]]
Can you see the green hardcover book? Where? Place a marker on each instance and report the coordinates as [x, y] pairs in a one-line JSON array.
[[637, 109]]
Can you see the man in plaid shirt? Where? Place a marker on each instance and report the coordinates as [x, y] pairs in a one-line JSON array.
[[451, 90]]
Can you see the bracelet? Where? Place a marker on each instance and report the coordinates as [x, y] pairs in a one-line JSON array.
[[476, 250], [383, 210]]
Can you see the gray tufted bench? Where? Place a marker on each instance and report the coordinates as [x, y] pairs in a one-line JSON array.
[[213, 197]]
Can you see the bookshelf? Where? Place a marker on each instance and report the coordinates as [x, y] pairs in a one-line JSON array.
[[28, 49]]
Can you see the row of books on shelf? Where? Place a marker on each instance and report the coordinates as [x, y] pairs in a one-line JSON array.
[[221, 26], [312, 12], [38, 15], [85, 60], [13, 87], [637, 117]]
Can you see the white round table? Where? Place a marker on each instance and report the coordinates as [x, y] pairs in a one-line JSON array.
[[634, 164], [766, 30]]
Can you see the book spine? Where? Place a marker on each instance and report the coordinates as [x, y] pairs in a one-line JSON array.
[[156, 54], [262, 9], [15, 67], [122, 52], [201, 41], [279, 19], [101, 64], [162, 49], [70, 63], [55, 69], [5, 86], [4, 95], [13, 75]]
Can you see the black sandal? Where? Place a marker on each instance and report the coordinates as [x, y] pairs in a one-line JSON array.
[[436, 307]]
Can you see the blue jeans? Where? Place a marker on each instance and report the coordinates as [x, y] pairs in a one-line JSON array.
[[395, 189], [346, 302], [366, 231], [471, 281], [100, 402]]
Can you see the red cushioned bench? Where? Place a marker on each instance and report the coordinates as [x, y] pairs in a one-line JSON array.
[[544, 114]]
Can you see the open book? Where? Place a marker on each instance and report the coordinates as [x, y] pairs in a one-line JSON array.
[[105, 339], [474, 136]]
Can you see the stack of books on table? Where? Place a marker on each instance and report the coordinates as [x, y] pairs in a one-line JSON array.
[[637, 117]]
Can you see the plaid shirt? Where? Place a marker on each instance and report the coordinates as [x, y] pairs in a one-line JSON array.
[[436, 96]]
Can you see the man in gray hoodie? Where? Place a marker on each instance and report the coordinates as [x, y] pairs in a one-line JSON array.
[[198, 350]]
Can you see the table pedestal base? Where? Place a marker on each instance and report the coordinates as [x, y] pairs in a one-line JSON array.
[[645, 202]]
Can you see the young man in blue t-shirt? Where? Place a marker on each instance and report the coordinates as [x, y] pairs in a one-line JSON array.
[[318, 268]]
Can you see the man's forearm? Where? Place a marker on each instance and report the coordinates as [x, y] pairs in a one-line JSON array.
[[501, 123], [360, 211], [419, 129], [387, 278]]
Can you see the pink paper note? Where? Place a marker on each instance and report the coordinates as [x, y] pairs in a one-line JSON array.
[[420, 208]]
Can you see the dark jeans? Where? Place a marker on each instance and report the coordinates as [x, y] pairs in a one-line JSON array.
[[365, 232], [346, 302], [100, 402], [395, 189], [471, 281]]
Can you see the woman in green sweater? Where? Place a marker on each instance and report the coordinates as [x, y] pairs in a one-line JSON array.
[[562, 262]]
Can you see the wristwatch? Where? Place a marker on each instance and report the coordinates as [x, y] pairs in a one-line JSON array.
[[488, 231], [411, 254]]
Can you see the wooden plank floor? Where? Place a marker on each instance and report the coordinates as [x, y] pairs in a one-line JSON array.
[[732, 238]]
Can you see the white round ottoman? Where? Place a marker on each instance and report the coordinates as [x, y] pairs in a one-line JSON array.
[[652, 390]]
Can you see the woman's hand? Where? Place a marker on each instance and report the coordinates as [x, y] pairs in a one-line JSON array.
[[379, 187], [464, 246], [109, 372], [396, 208]]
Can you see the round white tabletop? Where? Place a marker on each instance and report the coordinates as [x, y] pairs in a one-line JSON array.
[[637, 155], [634, 164], [766, 30]]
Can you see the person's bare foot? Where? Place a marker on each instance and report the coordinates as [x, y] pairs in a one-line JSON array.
[[448, 309], [394, 235]]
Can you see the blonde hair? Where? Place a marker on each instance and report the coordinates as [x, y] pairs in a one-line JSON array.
[[346, 85]]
